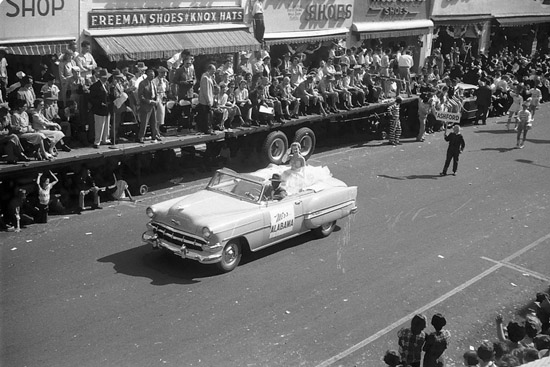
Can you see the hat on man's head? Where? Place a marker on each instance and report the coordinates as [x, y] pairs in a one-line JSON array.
[[118, 74], [103, 73], [275, 178], [141, 65], [162, 69], [20, 74]]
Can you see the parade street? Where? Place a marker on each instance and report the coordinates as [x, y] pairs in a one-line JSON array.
[[83, 290]]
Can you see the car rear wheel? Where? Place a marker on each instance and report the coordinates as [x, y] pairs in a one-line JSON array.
[[231, 256], [274, 147], [306, 138], [325, 230]]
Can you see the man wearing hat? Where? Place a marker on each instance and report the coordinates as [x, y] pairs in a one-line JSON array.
[[275, 191], [148, 99], [184, 79], [50, 86], [85, 60], [119, 96], [484, 98], [161, 84], [99, 99], [326, 88]]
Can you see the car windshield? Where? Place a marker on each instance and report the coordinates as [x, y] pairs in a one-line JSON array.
[[236, 186]]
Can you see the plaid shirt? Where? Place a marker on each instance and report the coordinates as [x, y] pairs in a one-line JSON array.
[[410, 345], [436, 343]]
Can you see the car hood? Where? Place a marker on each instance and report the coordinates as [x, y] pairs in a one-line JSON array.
[[203, 208]]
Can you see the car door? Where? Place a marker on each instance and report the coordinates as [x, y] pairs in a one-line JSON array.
[[282, 218]]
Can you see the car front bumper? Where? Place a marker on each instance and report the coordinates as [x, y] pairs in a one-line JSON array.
[[184, 252]]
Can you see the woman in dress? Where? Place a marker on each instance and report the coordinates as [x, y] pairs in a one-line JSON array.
[[300, 175], [52, 130], [21, 126]]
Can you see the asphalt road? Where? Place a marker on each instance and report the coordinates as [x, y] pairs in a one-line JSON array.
[[84, 291]]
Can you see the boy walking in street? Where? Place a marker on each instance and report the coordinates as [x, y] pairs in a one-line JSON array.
[[456, 146], [525, 119]]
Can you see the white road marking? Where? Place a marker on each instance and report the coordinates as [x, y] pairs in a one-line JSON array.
[[426, 307], [519, 268]]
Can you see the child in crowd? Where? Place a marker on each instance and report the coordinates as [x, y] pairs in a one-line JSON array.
[[44, 189], [486, 354], [436, 343], [456, 146], [470, 359], [517, 101], [411, 341], [524, 124], [392, 358]]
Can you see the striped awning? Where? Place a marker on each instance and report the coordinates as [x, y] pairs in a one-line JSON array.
[[37, 48], [523, 20], [282, 38], [399, 28], [165, 45], [461, 19]]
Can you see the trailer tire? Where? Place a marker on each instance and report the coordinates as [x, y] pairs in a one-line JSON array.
[[306, 138], [274, 147]]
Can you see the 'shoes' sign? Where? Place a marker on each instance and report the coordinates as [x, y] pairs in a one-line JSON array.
[[163, 17]]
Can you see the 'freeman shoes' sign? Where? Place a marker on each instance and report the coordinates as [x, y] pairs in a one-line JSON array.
[[163, 17]]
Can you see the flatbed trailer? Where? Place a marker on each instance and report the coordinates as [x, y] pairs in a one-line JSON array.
[[266, 141]]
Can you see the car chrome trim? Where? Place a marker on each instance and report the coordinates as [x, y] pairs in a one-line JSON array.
[[177, 237], [328, 210]]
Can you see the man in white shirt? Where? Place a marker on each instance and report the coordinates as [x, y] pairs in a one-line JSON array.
[[85, 61], [405, 63]]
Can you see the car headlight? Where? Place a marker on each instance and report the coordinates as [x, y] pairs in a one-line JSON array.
[[150, 212], [206, 232]]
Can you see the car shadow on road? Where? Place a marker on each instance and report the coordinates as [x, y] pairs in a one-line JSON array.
[[164, 268], [250, 257], [160, 266]]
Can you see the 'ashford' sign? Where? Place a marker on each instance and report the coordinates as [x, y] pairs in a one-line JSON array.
[[163, 17]]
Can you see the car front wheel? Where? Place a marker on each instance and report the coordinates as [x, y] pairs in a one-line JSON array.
[[231, 256], [325, 230]]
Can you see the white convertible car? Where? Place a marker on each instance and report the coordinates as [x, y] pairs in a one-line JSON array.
[[232, 214]]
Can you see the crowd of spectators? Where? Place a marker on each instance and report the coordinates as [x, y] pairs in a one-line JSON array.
[[83, 104], [523, 340]]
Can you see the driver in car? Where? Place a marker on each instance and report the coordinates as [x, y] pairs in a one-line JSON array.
[[275, 191]]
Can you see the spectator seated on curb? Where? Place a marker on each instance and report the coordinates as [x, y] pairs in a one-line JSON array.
[[86, 185]]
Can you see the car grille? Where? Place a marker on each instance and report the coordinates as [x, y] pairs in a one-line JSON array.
[[177, 237]]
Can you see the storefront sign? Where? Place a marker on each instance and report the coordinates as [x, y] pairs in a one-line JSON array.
[[380, 10], [163, 17], [38, 19], [307, 15]]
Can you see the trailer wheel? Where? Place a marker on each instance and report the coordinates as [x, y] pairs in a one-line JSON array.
[[274, 147], [306, 137]]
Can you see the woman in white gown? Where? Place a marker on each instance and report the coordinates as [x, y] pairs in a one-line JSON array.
[[301, 175]]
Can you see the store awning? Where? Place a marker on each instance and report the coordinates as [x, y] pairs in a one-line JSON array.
[[281, 38], [461, 19], [522, 20], [163, 46], [399, 28], [37, 48]]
